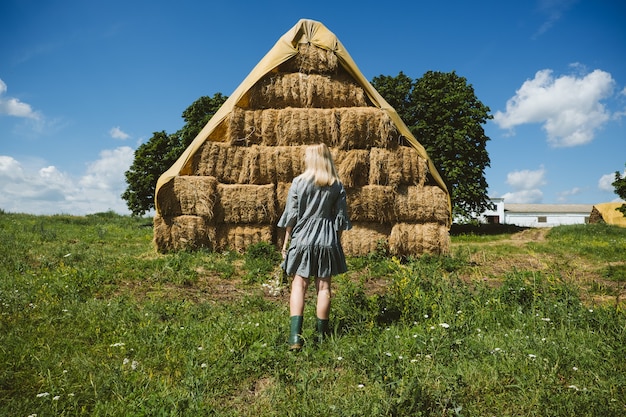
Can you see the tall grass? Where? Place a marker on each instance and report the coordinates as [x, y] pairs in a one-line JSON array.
[[94, 322]]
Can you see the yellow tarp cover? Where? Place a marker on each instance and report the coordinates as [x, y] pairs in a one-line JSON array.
[[610, 215], [305, 31]]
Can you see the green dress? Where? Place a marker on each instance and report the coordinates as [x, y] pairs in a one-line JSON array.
[[316, 215]]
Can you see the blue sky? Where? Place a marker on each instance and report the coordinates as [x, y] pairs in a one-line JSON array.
[[84, 83]]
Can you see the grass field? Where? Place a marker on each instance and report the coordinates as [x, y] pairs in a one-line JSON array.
[[513, 323]]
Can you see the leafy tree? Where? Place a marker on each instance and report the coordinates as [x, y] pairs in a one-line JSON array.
[[620, 190], [161, 151], [444, 114]]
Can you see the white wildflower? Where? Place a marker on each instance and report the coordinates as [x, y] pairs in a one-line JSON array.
[[56, 398], [444, 325], [43, 394], [574, 369], [361, 386], [204, 365], [531, 356]]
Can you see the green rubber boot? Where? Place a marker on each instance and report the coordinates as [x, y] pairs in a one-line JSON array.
[[295, 334], [322, 329]]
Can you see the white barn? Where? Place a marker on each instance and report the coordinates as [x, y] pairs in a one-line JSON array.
[[536, 215]]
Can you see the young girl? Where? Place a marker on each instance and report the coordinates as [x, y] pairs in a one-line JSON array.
[[314, 217]]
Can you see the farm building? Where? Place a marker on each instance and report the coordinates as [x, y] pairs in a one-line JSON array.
[[537, 215], [228, 188]]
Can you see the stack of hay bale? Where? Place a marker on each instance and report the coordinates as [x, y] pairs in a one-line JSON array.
[[241, 174]]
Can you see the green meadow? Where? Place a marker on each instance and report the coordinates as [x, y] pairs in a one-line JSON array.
[[94, 322]]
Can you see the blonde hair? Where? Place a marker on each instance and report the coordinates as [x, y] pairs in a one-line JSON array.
[[319, 165]]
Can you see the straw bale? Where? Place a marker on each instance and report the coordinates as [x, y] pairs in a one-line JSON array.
[[371, 203], [364, 128], [364, 238], [343, 128], [297, 126], [282, 190], [311, 59], [242, 203], [245, 126], [269, 123], [400, 166], [413, 239], [289, 162], [183, 232], [188, 195], [259, 166], [220, 160], [352, 166], [596, 216], [424, 204], [238, 237], [271, 164], [280, 90]]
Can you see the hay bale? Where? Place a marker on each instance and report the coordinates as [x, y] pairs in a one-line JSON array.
[[296, 126], [271, 164], [183, 233], [595, 216], [370, 203], [400, 166], [280, 90], [413, 239], [242, 203], [289, 162], [238, 237], [365, 127], [427, 204], [220, 160], [342, 128], [188, 195], [365, 238], [282, 190], [352, 166], [259, 165], [245, 126], [311, 59]]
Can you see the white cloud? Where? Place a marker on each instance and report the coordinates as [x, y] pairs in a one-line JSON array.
[[14, 107], [553, 11], [526, 184], [47, 190], [605, 183], [526, 179], [524, 197], [117, 133], [563, 195], [568, 107]]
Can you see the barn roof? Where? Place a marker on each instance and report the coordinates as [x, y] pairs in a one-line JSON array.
[[549, 208]]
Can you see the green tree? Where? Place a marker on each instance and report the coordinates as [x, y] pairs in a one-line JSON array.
[[161, 151], [444, 114], [620, 190]]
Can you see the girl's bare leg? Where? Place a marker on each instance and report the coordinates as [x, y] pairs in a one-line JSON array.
[[299, 286], [322, 287]]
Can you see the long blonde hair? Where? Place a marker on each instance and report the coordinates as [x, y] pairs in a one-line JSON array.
[[319, 165]]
